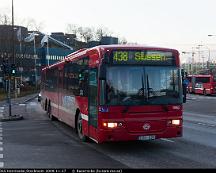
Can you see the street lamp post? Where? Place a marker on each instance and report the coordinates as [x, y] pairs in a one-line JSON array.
[[209, 56], [192, 60]]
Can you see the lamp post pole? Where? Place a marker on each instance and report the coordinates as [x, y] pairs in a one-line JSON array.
[[209, 56], [190, 70]]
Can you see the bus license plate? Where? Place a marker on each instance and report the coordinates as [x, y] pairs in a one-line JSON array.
[[146, 138]]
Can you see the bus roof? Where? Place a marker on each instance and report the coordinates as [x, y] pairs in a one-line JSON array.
[[119, 46], [110, 47], [200, 75]]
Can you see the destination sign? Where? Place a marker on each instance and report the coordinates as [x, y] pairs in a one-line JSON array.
[[142, 57]]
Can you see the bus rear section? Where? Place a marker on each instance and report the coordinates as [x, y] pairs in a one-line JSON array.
[[204, 84]]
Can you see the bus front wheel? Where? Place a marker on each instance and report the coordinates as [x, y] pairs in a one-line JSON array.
[[80, 129], [204, 92]]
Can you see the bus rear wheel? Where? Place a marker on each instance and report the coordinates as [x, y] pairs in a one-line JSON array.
[[51, 117], [80, 129]]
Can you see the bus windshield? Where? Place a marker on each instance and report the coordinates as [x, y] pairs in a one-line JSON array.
[[138, 85], [202, 79]]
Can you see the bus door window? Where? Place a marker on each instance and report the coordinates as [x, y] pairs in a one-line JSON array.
[[93, 88], [83, 82], [71, 79]]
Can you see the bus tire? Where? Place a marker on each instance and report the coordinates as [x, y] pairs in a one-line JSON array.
[[45, 105], [51, 117], [79, 128], [204, 92]]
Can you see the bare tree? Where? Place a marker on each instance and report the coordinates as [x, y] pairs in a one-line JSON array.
[[86, 33], [72, 29], [122, 40], [31, 24], [101, 32], [5, 19]]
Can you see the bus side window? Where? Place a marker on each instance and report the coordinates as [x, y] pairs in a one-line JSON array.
[[76, 77], [83, 82]]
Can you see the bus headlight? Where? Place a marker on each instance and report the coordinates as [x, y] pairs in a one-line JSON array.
[[176, 122], [110, 125]]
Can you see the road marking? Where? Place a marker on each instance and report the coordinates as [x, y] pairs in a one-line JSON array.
[[167, 140], [204, 124], [1, 148], [1, 107], [22, 104], [32, 103], [1, 143], [1, 156], [1, 164], [1, 138]]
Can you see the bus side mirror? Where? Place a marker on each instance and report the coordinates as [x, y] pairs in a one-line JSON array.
[[102, 72]]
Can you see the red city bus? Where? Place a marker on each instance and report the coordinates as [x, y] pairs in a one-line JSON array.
[[116, 93], [202, 84]]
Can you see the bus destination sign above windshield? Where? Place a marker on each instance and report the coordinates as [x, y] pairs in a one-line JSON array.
[[142, 57]]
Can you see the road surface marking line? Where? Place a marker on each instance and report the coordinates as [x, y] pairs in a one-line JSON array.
[[1, 107], [22, 104], [0, 134], [1, 149], [1, 143], [1, 138], [1, 156], [1, 164], [167, 140]]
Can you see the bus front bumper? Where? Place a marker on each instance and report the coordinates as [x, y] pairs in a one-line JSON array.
[[124, 135]]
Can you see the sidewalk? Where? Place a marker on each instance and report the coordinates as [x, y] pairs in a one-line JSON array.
[[16, 109], [19, 100]]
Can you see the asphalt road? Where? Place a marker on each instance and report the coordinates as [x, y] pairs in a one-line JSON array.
[[36, 142]]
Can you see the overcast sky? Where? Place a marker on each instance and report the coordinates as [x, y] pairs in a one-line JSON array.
[[180, 24]]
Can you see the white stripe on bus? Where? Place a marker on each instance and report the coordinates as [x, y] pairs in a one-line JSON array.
[[85, 117]]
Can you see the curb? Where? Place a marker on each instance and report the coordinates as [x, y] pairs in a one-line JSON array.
[[11, 118], [17, 117], [29, 99]]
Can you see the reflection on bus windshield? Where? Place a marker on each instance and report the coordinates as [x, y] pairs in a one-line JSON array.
[[142, 85]]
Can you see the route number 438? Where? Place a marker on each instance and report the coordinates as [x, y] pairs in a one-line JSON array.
[[120, 56]]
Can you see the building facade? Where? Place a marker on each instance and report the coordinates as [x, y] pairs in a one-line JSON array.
[[28, 56]]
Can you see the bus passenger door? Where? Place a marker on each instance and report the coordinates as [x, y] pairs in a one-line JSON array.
[[92, 102]]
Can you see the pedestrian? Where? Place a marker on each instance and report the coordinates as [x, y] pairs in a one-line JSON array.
[[185, 84]]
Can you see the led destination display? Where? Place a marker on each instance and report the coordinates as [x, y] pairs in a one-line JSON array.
[[142, 57]]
